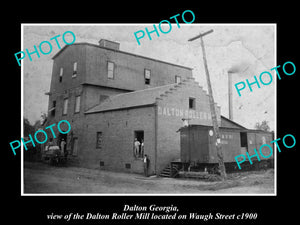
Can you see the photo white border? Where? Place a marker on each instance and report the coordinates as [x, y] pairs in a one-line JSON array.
[[157, 194]]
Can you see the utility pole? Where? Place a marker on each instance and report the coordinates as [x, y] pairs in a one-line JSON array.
[[212, 107]]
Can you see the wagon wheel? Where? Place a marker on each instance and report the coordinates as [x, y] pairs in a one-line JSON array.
[[54, 161], [215, 169], [51, 161]]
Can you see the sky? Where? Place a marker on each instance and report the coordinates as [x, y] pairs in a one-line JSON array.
[[245, 49]]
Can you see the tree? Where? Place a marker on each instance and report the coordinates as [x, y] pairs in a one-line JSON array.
[[28, 128], [262, 126]]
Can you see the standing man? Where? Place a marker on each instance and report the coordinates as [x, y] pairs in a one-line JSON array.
[[62, 146], [146, 161], [136, 147]]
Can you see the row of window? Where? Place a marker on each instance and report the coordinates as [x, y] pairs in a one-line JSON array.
[[147, 74], [76, 108], [110, 73], [61, 72], [65, 106]]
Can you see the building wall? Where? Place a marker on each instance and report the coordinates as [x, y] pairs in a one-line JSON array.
[[76, 119], [171, 109], [93, 95], [61, 89], [117, 129], [129, 69], [90, 82], [68, 88], [65, 60]]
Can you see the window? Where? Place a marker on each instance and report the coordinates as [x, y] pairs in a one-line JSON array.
[[263, 140], [74, 70], [177, 79], [61, 72], [77, 104], [65, 108], [110, 70], [75, 146], [147, 76], [127, 165], [52, 110], [99, 140], [244, 139], [192, 103]]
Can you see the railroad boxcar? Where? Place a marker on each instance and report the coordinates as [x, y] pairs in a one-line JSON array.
[[198, 146]]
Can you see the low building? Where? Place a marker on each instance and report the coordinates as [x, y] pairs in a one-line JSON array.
[[152, 116]]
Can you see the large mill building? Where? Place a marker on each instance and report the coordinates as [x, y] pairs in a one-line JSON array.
[[112, 97]]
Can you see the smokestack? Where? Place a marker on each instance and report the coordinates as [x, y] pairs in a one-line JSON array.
[[230, 95], [240, 67]]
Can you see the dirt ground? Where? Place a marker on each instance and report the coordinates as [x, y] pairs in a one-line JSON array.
[[40, 178]]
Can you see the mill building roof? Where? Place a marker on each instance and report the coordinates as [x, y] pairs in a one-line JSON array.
[[115, 50], [132, 99]]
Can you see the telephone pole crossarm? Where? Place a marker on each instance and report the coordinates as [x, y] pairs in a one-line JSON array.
[[201, 35]]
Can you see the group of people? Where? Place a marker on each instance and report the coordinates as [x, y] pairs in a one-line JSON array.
[[62, 146], [138, 148], [139, 153]]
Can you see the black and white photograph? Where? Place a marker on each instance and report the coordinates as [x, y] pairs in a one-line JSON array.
[[134, 114], [138, 110]]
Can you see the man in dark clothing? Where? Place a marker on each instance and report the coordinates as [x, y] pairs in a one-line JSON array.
[[146, 162]]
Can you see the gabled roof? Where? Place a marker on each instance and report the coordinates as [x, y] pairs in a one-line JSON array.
[[133, 99], [228, 123]]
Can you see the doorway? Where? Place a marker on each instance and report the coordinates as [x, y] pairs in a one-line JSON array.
[[244, 142], [138, 145], [60, 138]]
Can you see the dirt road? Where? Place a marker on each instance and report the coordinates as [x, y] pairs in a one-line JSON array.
[[42, 178]]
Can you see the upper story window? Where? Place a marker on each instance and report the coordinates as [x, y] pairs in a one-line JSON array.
[[52, 110], [147, 76], [192, 103], [61, 72], [177, 79], [77, 104], [110, 70], [74, 70], [65, 107]]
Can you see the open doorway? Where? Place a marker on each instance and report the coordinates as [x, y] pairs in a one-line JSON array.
[[60, 138], [244, 142], [138, 145]]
